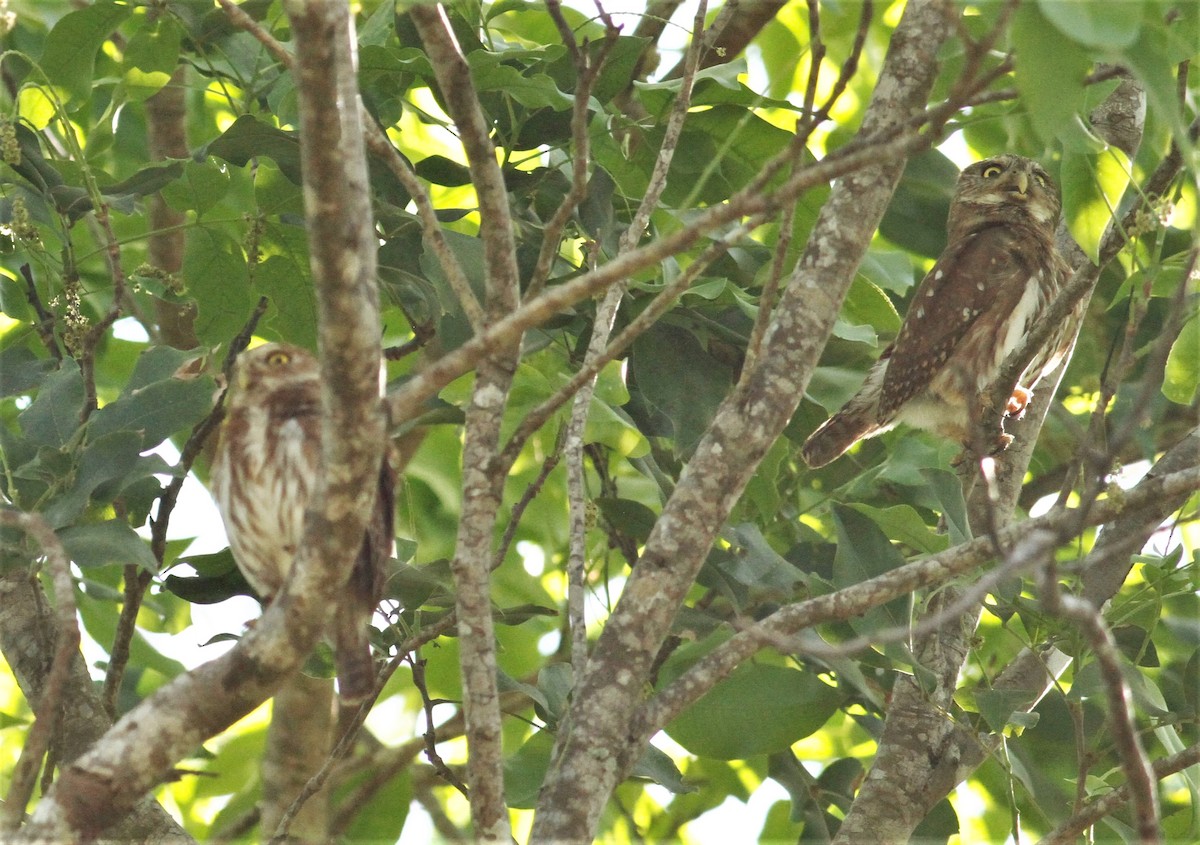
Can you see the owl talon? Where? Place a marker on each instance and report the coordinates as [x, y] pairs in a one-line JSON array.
[[1003, 441], [1018, 402]]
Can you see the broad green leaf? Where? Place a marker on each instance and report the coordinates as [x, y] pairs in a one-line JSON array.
[[1092, 185], [110, 543], [890, 269], [525, 770], [948, 491], [250, 137], [759, 709], [864, 552], [158, 363], [53, 417], [903, 524], [104, 459], [287, 284], [1182, 376], [216, 275], [382, 818], [1164, 280], [676, 381], [627, 516], [157, 410], [916, 217], [655, 766], [22, 371], [70, 54], [1043, 54], [867, 305], [1105, 25], [201, 185]]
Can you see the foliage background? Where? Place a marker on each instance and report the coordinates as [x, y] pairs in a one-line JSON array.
[[76, 441]]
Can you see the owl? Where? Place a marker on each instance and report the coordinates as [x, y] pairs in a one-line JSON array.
[[266, 464], [1000, 270]]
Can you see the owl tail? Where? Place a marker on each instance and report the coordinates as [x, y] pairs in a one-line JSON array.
[[836, 435], [352, 654], [352, 620]]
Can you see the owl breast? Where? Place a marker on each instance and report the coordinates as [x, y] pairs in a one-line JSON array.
[[268, 525]]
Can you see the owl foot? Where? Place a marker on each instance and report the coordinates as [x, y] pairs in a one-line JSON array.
[[1018, 402], [1003, 441]]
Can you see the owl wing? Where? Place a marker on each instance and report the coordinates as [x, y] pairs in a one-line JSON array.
[[982, 276]]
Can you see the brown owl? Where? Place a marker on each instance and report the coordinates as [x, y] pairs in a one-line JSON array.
[[998, 273], [263, 475]]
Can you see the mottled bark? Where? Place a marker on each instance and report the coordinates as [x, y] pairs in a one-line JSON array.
[[594, 749], [27, 636], [139, 751], [483, 474], [166, 130], [298, 742]]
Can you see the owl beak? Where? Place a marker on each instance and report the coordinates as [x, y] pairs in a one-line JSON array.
[[1023, 183]]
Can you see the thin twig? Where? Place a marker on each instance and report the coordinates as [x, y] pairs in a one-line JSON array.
[[430, 736], [587, 71], [45, 320], [1093, 811]]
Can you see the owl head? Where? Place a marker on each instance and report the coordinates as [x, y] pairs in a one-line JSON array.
[[1003, 189], [275, 366]]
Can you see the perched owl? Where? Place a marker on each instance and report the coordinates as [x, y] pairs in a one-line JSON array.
[[998, 273], [263, 475]]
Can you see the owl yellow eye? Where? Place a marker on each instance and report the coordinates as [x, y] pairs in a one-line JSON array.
[[278, 358], [992, 171]]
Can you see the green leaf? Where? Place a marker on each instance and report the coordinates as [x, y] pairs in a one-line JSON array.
[[677, 382], [656, 766], [525, 771], [948, 491], [200, 186], [382, 818], [70, 55], [21, 371], [903, 524], [1182, 376], [1106, 25], [104, 459], [627, 516], [1092, 185], [158, 363], [867, 305], [864, 552], [1043, 54], [915, 218], [157, 410], [53, 417], [216, 275], [759, 709], [1164, 279], [536, 90], [106, 543], [249, 137], [287, 284]]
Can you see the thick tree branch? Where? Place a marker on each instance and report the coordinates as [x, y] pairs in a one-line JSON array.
[[483, 478]]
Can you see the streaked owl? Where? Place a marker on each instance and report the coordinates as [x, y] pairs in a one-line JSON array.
[[998, 273], [263, 476]]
